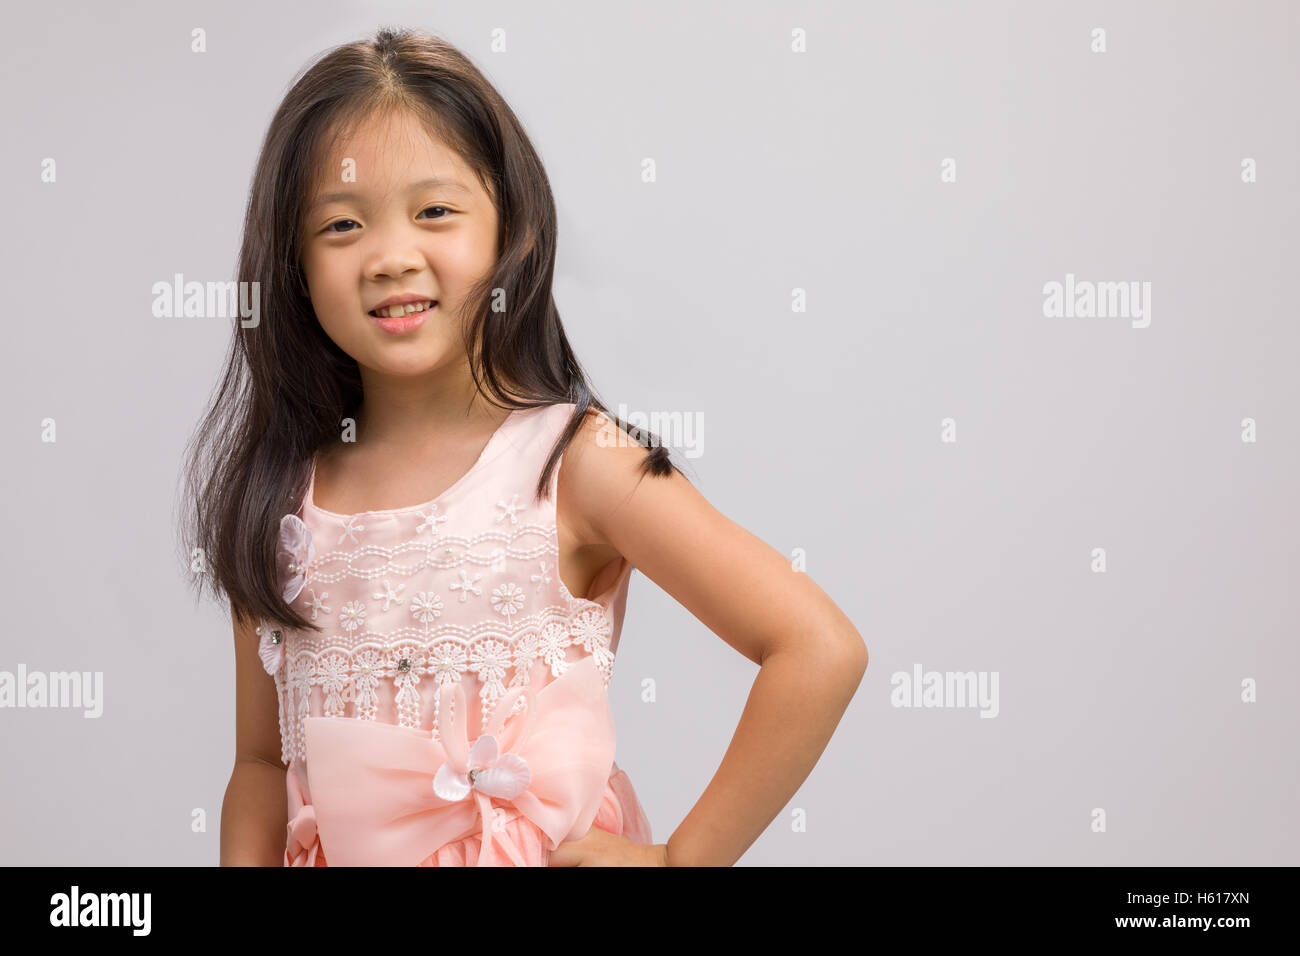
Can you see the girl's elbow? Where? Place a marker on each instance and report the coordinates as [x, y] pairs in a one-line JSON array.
[[849, 645], [859, 656], [850, 653]]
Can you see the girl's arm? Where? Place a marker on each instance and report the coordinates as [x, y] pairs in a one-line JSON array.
[[255, 812], [811, 657]]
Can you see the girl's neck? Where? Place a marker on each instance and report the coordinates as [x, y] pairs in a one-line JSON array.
[[418, 417]]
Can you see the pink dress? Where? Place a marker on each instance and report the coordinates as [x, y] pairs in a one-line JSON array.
[[453, 710]]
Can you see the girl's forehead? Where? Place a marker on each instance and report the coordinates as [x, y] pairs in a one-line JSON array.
[[385, 132], [409, 149], [386, 153]]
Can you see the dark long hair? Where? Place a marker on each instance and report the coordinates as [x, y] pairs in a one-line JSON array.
[[287, 386]]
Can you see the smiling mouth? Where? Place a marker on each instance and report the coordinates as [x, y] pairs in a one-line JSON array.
[[405, 323], [374, 313]]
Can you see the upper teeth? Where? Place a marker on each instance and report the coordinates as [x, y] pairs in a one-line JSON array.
[[396, 310]]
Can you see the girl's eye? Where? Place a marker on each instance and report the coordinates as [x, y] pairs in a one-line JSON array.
[[330, 227]]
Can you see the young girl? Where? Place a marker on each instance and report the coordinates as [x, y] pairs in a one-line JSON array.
[[425, 523]]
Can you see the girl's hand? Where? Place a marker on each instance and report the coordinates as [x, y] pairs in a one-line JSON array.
[[602, 848]]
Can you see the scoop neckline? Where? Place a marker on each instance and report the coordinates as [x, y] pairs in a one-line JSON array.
[[309, 499]]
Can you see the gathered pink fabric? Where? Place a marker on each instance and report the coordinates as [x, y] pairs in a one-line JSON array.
[[514, 829], [373, 790], [384, 772], [302, 847]]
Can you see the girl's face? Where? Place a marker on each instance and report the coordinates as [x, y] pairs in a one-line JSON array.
[[396, 213]]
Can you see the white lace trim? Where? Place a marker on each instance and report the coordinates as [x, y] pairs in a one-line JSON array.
[[441, 553], [357, 670]]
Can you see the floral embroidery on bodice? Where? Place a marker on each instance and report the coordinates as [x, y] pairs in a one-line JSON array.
[[464, 588]]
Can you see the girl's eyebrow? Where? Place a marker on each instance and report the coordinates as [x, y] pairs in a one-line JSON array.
[[430, 183]]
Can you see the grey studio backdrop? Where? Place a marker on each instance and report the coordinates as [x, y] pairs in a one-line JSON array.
[[840, 268]]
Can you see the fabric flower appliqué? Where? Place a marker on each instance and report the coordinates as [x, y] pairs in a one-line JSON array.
[[490, 772], [466, 585], [510, 510], [352, 616], [508, 599], [425, 607], [293, 556], [271, 647]]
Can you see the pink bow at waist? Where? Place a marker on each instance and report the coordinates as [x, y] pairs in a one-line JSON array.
[[387, 795]]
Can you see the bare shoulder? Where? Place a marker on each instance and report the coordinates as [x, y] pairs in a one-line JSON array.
[[599, 473]]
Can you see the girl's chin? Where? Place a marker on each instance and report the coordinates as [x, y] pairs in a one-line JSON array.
[[403, 361]]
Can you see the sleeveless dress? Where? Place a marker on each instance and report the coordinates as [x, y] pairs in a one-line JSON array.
[[453, 708]]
